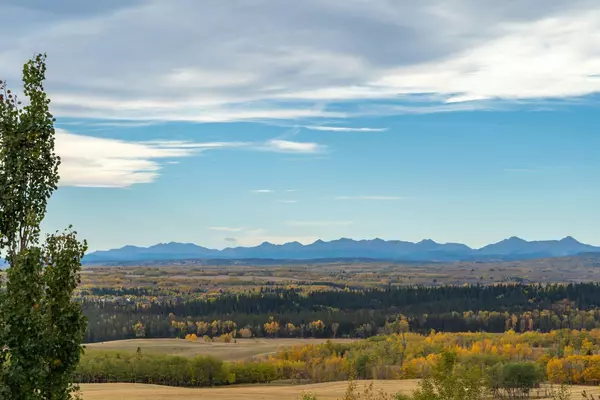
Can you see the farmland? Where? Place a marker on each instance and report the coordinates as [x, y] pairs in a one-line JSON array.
[[242, 349], [324, 391]]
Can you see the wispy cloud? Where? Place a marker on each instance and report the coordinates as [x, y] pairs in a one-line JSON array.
[[262, 191], [273, 145], [197, 145], [342, 128], [376, 198], [225, 229], [318, 223], [288, 146], [288, 201], [123, 124]]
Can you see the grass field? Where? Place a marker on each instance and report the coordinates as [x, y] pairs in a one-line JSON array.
[[326, 391], [243, 349], [330, 390]]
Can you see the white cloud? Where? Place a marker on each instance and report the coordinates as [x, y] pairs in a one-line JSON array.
[[262, 191], [318, 223], [288, 201], [100, 162], [225, 229], [343, 129], [288, 146], [117, 60], [378, 198], [91, 161], [550, 57]]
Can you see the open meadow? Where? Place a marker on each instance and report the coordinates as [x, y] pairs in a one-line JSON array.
[[240, 350]]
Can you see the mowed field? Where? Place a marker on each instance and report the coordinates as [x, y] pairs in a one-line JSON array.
[[243, 349], [326, 391]]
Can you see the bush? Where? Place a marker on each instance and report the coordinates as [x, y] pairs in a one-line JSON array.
[[254, 372], [514, 379]]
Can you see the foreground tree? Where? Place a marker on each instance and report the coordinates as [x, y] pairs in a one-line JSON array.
[[451, 381], [41, 327]]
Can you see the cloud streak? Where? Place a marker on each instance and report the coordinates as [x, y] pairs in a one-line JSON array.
[[374, 198], [342, 129], [288, 146]]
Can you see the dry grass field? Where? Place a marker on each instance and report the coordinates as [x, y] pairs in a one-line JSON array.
[[325, 391], [243, 349]]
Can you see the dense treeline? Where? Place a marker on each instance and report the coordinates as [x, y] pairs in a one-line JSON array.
[[563, 356], [106, 367], [349, 313]]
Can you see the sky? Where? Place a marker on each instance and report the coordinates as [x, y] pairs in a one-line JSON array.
[[231, 123]]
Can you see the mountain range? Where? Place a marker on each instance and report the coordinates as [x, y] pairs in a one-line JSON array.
[[513, 248]]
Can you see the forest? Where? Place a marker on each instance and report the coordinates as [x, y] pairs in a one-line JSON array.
[[330, 313]]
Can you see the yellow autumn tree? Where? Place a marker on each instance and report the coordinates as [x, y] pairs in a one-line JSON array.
[[271, 327], [556, 371]]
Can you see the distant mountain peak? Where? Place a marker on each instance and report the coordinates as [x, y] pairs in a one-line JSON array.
[[513, 248], [570, 239]]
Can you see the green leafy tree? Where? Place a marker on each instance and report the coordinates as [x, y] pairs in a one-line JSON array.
[[514, 380], [451, 381], [41, 327]]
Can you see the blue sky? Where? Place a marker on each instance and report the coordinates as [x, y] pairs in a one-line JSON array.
[[224, 123]]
